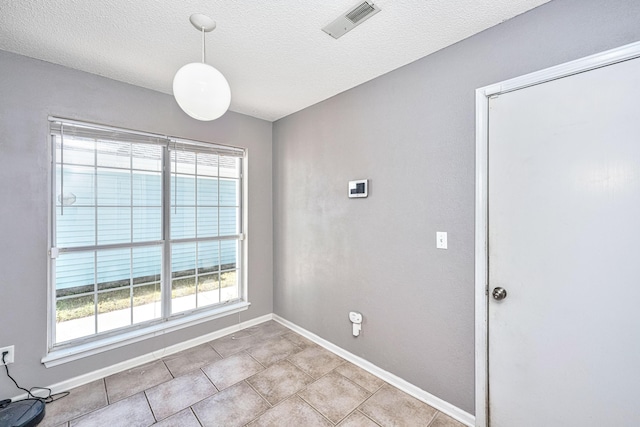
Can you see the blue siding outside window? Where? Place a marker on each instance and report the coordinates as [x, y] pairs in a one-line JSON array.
[[122, 219], [110, 229]]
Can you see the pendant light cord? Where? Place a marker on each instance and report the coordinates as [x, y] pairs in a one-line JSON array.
[[203, 57]]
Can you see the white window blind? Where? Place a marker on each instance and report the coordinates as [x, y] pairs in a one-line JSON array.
[[144, 227]]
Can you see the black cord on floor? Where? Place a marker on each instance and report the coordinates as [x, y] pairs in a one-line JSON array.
[[30, 393]]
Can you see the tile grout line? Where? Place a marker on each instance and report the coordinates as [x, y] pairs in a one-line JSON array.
[[106, 391], [256, 360], [285, 359], [264, 412], [254, 389], [390, 385], [194, 403], [311, 383], [144, 392], [287, 397], [152, 411], [359, 408], [209, 379], [353, 382], [313, 407], [196, 416], [214, 349], [246, 352], [303, 370], [169, 370], [262, 397], [349, 380], [246, 380], [104, 384], [434, 418], [276, 361], [190, 406], [361, 413], [367, 417]]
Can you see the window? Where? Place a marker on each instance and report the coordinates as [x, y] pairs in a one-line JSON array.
[[205, 225], [145, 229]]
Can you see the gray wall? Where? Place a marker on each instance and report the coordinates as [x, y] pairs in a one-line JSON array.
[[411, 132], [31, 90]]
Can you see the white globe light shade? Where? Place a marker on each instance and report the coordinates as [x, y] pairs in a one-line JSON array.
[[201, 91]]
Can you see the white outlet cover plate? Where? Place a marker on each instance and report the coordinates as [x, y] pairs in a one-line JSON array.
[[10, 357], [441, 239], [355, 317]]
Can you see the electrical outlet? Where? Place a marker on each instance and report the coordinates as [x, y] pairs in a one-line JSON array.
[[10, 354]]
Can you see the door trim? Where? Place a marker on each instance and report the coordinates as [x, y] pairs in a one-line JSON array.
[[483, 94]]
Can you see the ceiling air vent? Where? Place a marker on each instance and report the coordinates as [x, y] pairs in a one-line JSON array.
[[351, 19], [360, 12]]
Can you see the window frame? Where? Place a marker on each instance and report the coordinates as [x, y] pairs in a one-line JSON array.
[[97, 342]]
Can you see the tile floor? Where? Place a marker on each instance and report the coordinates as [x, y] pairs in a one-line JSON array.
[[265, 375]]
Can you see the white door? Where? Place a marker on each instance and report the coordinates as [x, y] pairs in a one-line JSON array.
[[564, 242]]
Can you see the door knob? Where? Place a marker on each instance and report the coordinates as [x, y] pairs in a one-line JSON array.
[[499, 293]]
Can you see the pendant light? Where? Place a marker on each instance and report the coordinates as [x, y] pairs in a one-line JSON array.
[[200, 90]]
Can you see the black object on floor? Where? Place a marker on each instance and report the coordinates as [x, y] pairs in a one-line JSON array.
[[22, 413]]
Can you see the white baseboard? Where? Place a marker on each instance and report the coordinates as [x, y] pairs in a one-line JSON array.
[[150, 357], [428, 398], [439, 404]]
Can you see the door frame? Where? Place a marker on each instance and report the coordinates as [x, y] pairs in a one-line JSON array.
[[483, 94]]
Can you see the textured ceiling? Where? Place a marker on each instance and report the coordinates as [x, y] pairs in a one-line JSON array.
[[273, 53]]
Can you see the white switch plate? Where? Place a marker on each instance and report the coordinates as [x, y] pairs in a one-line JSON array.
[[441, 239]]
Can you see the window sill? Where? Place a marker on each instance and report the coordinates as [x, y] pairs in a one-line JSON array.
[[60, 356]]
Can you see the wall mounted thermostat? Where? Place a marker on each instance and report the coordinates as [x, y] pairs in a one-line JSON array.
[[358, 188]]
